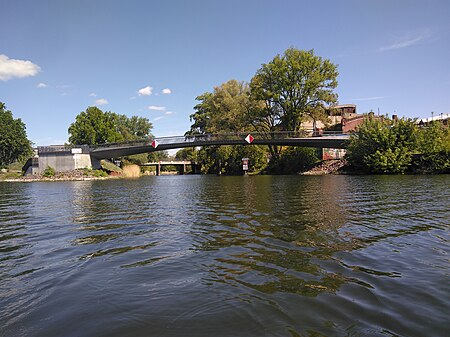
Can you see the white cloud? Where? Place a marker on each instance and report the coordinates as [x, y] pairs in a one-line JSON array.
[[156, 108], [101, 101], [147, 91], [407, 40], [92, 94], [158, 118], [10, 68], [166, 91], [42, 85], [169, 112]]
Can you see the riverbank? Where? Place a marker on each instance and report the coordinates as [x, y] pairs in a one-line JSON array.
[[64, 176], [129, 171], [336, 166]]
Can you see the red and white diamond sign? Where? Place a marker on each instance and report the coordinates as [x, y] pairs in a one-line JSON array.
[[155, 144], [249, 139]]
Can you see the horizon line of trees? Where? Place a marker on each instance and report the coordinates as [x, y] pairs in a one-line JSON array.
[[290, 89]]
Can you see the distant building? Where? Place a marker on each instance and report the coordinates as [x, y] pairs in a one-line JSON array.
[[335, 116], [444, 118]]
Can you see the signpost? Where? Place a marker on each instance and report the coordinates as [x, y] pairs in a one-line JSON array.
[[245, 165], [154, 144]]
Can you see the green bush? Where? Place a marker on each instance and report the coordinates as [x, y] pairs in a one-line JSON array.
[[94, 173], [99, 173], [294, 160], [386, 146], [383, 146], [49, 172], [434, 145]]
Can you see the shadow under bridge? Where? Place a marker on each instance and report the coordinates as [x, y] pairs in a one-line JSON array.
[[306, 139]]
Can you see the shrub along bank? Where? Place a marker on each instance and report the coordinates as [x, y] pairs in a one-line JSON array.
[[399, 146]]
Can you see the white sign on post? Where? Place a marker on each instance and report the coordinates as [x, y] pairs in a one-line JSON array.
[[245, 164]]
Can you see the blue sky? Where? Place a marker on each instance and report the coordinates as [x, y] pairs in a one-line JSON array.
[[152, 58]]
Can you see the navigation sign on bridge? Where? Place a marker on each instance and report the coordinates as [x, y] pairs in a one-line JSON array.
[[155, 144], [249, 139]]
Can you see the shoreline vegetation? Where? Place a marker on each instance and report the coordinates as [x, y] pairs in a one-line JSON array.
[[293, 91], [321, 168]]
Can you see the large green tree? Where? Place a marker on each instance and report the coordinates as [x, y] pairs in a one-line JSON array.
[[14, 144], [226, 110], [94, 126], [293, 87], [222, 111]]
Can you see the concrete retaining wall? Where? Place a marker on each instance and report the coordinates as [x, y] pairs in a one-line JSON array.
[[64, 161]]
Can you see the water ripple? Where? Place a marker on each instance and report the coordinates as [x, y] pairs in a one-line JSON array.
[[254, 256]]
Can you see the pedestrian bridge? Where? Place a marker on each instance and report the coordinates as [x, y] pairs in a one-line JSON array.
[[303, 138]]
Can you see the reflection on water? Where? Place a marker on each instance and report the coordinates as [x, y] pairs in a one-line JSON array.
[[202, 256]]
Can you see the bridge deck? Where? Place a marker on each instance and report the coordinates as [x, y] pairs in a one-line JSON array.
[[329, 140]]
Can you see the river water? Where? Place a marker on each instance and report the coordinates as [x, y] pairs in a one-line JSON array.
[[226, 256]]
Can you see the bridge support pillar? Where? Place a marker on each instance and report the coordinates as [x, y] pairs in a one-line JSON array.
[[158, 169], [183, 169]]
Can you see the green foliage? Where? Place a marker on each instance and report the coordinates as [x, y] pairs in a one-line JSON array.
[[94, 126], [137, 159], [109, 167], [293, 86], [188, 153], [14, 144], [49, 172], [294, 160], [99, 173], [434, 145], [383, 146], [10, 175], [94, 173], [157, 156], [224, 110], [228, 159]]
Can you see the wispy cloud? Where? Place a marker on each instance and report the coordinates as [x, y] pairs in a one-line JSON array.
[[156, 108], [169, 112], [166, 91], [101, 101], [92, 94], [41, 85], [158, 118], [408, 39], [373, 98], [146, 91], [10, 68]]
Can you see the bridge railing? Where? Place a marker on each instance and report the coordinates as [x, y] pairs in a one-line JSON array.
[[208, 138]]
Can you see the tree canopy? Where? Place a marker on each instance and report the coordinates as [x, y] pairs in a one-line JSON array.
[[223, 110], [14, 144], [93, 126], [292, 87]]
